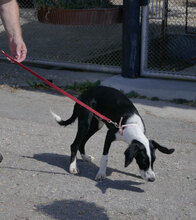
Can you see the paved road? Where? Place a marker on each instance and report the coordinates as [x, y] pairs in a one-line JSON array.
[[34, 179]]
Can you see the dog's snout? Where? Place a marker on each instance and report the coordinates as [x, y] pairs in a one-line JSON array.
[[148, 175], [151, 179]]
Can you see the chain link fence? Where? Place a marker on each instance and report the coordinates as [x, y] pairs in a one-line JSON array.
[[98, 45], [168, 40], [171, 38]]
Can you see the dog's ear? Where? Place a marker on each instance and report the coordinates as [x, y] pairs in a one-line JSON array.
[[161, 148], [131, 152]]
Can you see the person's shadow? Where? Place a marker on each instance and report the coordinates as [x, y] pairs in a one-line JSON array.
[[88, 170], [73, 210]]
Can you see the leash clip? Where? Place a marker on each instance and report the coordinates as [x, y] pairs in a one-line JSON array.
[[120, 126], [114, 123]]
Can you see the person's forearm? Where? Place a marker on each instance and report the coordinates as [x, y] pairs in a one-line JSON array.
[[10, 17]]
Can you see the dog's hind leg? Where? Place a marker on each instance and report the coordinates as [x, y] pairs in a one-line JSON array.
[[84, 122], [110, 137], [94, 127]]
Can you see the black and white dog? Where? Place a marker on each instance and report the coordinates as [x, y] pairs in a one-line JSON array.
[[114, 105]]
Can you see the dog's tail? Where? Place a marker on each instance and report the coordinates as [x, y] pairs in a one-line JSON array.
[[68, 121]]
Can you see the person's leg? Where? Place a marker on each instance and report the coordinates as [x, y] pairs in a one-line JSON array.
[[1, 158]]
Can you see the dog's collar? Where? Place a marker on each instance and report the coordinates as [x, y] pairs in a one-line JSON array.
[[120, 126]]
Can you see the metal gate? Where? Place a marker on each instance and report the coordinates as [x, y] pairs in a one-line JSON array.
[[168, 40]]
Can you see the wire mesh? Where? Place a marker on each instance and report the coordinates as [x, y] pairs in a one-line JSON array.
[[83, 44], [171, 43], [172, 37]]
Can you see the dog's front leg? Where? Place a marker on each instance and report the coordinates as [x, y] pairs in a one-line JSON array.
[[102, 170], [73, 167], [104, 160]]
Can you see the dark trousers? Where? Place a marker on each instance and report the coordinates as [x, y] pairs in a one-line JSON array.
[[1, 158]]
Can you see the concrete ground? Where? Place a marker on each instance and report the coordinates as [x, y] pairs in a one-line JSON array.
[[13, 75], [34, 180]]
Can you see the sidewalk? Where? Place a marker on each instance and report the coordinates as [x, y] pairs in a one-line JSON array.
[[163, 89], [160, 88]]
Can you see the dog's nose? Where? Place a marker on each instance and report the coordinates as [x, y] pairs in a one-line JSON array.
[[151, 179]]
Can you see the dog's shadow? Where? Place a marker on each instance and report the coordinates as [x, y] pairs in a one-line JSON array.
[[88, 170]]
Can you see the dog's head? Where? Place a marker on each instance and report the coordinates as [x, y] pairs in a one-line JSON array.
[[145, 157]]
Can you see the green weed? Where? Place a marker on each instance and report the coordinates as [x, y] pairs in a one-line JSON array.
[[83, 86]]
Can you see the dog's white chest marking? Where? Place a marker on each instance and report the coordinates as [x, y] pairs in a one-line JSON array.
[[135, 119], [133, 130]]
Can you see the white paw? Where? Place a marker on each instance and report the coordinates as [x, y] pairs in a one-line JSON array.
[[88, 158], [100, 176], [73, 168]]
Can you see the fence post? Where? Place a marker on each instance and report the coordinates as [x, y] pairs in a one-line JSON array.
[[131, 38], [144, 40]]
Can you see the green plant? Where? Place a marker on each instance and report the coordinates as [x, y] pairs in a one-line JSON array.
[[154, 98], [134, 94], [180, 101], [37, 85], [83, 86], [73, 4]]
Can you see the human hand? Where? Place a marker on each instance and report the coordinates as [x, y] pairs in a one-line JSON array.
[[18, 49]]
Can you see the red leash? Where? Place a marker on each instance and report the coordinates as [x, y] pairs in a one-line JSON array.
[[60, 90]]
